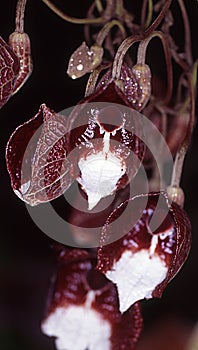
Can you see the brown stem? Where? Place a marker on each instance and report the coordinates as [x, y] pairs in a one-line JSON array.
[[105, 30], [143, 13], [119, 8], [146, 21], [87, 26], [180, 156], [110, 9], [188, 50], [70, 19], [142, 55], [178, 166], [99, 6], [159, 18], [91, 83], [20, 11], [128, 42]]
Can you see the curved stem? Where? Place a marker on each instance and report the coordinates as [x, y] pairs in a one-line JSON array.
[[146, 21], [143, 12], [150, 13], [122, 50], [178, 166], [142, 54], [180, 156], [188, 50], [105, 31], [99, 6], [119, 8], [128, 42], [91, 83], [87, 35], [20, 11], [70, 19], [159, 18]]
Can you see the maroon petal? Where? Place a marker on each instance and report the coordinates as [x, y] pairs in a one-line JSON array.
[[144, 260], [102, 139], [134, 85], [82, 301], [9, 69], [36, 158]]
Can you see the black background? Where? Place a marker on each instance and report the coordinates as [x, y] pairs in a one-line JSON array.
[[26, 262]]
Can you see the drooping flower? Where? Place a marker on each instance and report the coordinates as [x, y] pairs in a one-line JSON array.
[[154, 244], [36, 158], [83, 308], [97, 145]]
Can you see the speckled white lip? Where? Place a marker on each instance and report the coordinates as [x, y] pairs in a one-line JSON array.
[[78, 328], [99, 176], [136, 276]]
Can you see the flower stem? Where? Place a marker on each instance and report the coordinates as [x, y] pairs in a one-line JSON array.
[[105, 31], [128, 42], [180, 156], [91, 83], [70, 19], [99, 6], [146, 22], [141, 55], [119, 8], [20, 11], [188, 50]]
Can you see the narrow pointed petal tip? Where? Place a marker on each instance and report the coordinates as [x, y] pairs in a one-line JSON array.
[[142, 262]]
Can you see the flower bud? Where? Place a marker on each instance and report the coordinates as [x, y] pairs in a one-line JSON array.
[[20, 43], [84, 60]]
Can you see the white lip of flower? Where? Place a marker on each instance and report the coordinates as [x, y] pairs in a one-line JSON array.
[[99, 176], [101, 171], [137, 274], [78, 327]]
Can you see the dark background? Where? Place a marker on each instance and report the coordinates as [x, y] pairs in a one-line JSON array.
[[26, 261]]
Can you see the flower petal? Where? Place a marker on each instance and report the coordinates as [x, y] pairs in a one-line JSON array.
[[83, 307], [9, 69], [143, 260], [36, 158]]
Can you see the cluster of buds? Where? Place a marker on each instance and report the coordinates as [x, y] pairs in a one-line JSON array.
[[144, 239]]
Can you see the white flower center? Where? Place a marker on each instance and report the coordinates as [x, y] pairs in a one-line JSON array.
[[99, 176]]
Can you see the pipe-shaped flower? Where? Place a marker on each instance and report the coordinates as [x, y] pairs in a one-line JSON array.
[[83, 309], [154, 244], [97, 145]]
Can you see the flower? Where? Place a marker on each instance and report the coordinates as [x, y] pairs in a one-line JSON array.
[[154, 244], [83, 308]]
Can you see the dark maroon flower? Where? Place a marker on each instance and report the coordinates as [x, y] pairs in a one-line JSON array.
[[9, 69], [133, 88], [97, 146], [36, 158], [83, 308], [154, 244], [102, 137]]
